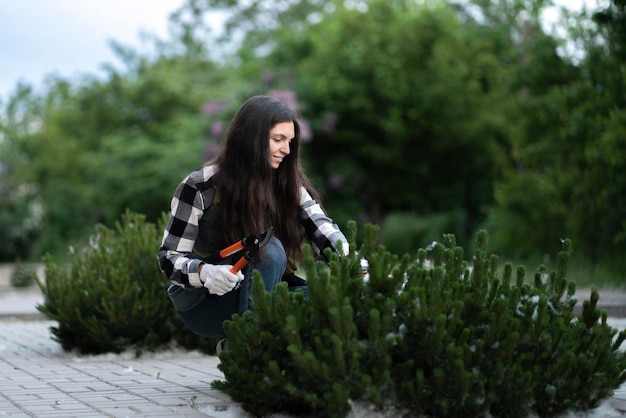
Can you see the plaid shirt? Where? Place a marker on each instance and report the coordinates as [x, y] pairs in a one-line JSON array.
[[194, 196]]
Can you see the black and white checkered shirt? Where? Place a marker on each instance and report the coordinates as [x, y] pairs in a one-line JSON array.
[[194, 197]]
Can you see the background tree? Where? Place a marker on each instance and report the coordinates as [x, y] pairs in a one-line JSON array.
[[90, 151], [400, 102], [567, 175], [442, 117], [20, 206], [299, 48]]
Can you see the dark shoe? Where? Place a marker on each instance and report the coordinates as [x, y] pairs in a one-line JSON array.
[[222, 345]]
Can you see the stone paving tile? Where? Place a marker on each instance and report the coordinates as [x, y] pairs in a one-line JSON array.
[[39, 379]]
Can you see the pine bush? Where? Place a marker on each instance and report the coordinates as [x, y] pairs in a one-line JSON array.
[[111, 296], [437, 336], [22, 275]]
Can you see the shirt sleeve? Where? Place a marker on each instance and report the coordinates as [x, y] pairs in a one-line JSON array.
[[320, 229], [187, 207]]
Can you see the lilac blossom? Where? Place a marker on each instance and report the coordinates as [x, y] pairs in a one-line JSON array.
[[328, 124], [212, 149], [217, 129], [214, 107], [268, 78], [288, 97], [305, 130], [335, 181]]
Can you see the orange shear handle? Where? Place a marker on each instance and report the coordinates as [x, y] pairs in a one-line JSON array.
[[239, 265], [231, 249]]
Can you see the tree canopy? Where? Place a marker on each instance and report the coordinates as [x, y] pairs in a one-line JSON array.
[[472, 109]]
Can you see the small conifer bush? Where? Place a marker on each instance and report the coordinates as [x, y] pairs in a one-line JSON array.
[[111, 296], [23, 275], [438, 336]]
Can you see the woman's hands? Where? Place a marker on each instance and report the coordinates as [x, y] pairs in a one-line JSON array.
[[218, 279]]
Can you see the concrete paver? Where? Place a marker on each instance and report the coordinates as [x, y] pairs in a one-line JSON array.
[[38, 378]]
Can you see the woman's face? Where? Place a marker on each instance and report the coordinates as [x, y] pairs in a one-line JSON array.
[[281, 135]]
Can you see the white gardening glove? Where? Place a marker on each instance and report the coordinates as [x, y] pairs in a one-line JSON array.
[[218, 279], [365, 268]]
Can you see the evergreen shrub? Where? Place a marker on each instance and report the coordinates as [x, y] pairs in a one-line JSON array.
[[111, 296], [437, 336], [23, 275]]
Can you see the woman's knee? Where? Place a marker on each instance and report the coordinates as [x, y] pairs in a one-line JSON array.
[[274, 253], [272, 263]]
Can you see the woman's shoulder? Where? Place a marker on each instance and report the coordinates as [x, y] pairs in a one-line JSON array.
[[305, 197], [203, 177]]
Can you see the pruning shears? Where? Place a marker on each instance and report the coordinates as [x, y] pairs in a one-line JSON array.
[[249, 245]]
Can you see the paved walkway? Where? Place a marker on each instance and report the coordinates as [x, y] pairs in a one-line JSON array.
[[39, 379]]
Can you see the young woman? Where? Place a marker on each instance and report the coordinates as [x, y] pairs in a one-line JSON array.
[[255, 185]]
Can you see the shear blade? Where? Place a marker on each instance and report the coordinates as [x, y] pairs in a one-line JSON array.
[[265, 237]]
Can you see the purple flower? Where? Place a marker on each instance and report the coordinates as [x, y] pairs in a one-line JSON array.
[[328, 124], [288, 97], [305, 130], [211, 108], [217, 129], [335, 181], [268, 78], [212, 149]]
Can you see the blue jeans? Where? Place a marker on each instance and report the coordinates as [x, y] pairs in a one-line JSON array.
[[204, 313]]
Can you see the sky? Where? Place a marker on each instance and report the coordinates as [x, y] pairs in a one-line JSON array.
[[70, 37]]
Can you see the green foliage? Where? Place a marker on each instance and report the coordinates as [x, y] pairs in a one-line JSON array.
[[400, 75], [408, 232], [436, 336], [568, 173], [565, 147], [428, 107], [20, 204], [23, 275], [92, 150], [516, 214], [111, 295], [20, 221]]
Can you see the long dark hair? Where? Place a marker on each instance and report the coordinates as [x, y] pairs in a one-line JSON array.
[[250, 191]]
